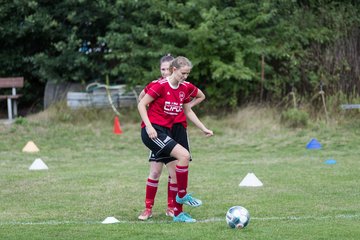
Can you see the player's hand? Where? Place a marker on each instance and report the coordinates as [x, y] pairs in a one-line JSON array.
[[208, 133], [151, 132]]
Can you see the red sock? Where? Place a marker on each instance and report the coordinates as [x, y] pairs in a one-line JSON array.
[[172, 191], [182, 179], [151, 189], [178, 208]]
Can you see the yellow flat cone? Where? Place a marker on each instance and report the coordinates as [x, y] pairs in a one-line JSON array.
[[30, 147]]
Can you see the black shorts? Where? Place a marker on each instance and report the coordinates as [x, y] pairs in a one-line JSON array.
[[179, 135], [162, 145]]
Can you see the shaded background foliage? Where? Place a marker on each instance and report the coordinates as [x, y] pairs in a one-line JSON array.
[[242, 51]]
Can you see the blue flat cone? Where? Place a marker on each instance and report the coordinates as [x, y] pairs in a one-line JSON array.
[[313, 144], [330, 161]]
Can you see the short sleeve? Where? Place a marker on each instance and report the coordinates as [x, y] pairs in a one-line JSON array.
[[193, 90], [146, 89], [155, 90]]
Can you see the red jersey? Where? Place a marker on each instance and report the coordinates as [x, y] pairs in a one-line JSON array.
[[168, 101], [181, 118]]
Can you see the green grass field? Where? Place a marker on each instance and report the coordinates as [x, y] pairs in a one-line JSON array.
[[94, 174]]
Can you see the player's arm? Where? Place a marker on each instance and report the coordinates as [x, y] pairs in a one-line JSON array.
[[193, 118], [144, 91], [147, 99], [200, 96], [142, 94]]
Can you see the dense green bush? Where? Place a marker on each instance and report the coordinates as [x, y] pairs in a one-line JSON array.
[[302, 43]]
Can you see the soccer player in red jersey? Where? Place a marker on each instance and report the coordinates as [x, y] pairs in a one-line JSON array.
[[166, 99], [179, 134]]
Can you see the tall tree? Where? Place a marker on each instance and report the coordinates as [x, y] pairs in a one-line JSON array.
[[82, 40]]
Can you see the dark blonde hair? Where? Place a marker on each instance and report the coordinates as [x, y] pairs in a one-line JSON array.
[[180, 62], [166, 58]]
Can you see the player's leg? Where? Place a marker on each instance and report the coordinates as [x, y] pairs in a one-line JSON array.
[[172, 185], [151, 188], [179, 134], [172, 188], [165, 145], [181, 170], [161, 146]]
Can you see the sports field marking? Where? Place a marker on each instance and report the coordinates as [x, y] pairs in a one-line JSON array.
[[290, 218], [210, 220]]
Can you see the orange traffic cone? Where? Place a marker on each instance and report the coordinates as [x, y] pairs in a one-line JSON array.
[[117, 128]]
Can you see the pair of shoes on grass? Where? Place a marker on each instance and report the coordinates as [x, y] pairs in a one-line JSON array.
[[182, 217], [147, 213], [190, 201]]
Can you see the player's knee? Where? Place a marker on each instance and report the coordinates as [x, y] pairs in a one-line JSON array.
[[184, 157], [155, 175]]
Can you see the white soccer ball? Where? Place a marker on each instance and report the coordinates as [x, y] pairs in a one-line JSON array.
[[237, 217]]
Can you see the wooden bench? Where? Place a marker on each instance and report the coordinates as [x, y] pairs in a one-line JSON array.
[[11, 83]]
